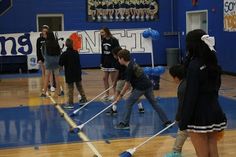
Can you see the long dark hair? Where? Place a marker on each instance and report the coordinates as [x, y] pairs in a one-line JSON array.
[[52, 45], [199, 49], [107, 31]]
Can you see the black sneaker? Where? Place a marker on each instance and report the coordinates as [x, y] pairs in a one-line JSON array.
[[68, 106], [122, 126], [49, 87], [167, 123], [43, 95], [83, 101], [141, 110], [111, 112], [61, 93]]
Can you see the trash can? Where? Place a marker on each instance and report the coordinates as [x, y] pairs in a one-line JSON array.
[[172, 56]]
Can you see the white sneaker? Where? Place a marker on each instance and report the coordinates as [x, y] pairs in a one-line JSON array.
[[105, 98], [52, 89], [79, 97], [111, 98], [105, 17], [99, 18]]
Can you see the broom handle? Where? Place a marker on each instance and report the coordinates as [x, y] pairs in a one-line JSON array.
[[155, 135], [77, 110], [101, 112]]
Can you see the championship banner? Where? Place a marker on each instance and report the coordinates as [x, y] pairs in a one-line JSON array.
[[230, 15], [87, 42], [117, 10]]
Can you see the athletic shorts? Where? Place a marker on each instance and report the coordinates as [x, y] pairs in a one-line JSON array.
[[119, 85], [55, 71]]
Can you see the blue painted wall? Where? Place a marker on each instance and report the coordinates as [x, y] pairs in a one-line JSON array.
[[24, 13], [225, 41]]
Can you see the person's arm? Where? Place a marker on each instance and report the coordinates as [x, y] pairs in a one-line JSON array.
[[116, 42], [62, 60], [117, 73], [191, 95], [128, 78], [180, 94], [102, 57], [38, 50]]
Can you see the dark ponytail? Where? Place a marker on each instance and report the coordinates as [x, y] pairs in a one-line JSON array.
[[52, 46]]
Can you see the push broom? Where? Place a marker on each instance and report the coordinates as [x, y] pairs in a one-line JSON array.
[[130, 152], [79, 127], [77, 110]]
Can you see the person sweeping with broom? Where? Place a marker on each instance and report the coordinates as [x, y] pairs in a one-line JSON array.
[[141, 86]]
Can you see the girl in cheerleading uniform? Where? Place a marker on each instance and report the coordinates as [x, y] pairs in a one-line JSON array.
[[201, 114], [108, 62]]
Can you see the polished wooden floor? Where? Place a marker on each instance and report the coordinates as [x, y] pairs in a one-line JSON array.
[[26, 91]]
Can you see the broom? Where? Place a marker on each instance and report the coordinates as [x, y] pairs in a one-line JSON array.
[[130, 152], [79, 127], [77, 110]]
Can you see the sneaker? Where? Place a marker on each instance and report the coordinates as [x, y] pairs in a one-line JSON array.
[[62, 93], [111, 112], [49, 86], [141, 110], [83, 101], [105, 98], [173, 154], [79, 96], [167, 123], [43, 95], [122, 126], [52, 89], [68, 106], [111, 98]]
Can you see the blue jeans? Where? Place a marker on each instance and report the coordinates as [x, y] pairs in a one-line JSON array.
[[133, 98]]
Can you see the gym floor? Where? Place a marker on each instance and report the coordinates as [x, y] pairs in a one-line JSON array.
[[32, 126]]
